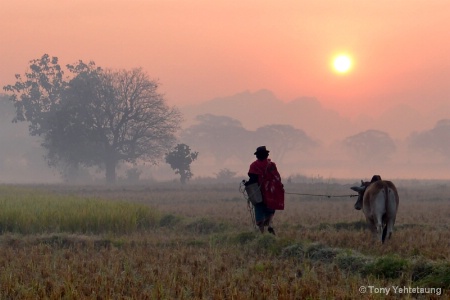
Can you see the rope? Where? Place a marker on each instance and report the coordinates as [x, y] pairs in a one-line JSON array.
[[319, 195], [250, 207]]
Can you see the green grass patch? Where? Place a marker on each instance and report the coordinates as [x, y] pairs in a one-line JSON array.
[[351, 261], [268, 243], [205, 226], [438, 276], [421, 269], [26, 211], [390, 266], [243, 238], [169, 221], [322, 253], [357, 225], [295, 251]]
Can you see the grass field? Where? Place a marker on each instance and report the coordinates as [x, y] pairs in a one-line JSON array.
[[164, 241]]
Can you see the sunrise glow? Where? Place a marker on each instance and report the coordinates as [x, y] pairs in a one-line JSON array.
[[342, 63]]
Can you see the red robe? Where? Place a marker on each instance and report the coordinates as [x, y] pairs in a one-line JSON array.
[[270, 182]]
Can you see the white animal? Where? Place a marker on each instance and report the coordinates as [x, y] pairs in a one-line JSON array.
[[379, 201]]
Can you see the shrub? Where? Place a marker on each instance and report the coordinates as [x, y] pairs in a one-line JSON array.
[[351, 262], [319, 252], [420, 270], [169, 220], [295, 251], [357, 225], [324, 226], [386, 267], [439, 277], [245, 237], [196, 243], [205, 226], [265, 242]]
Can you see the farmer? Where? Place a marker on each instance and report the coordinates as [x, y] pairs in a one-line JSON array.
[[264, 172]]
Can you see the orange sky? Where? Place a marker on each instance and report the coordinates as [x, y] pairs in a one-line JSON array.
[[201, 49]]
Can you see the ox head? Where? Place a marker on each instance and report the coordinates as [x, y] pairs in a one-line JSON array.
[[360, 189]]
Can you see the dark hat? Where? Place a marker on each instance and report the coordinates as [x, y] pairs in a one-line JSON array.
[[261, 149]]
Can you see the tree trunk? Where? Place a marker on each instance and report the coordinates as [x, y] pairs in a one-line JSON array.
[[110, 165], [183, 179]]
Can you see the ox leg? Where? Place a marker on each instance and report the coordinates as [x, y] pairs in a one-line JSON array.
[[380, 232], [391, 214], [379, 228], [385, 230], [372, 228], [390, 227]]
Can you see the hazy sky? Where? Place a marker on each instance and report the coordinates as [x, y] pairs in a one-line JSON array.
[[201, 49]]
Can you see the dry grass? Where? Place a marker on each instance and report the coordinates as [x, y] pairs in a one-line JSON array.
[[205, 248], [421, 227]]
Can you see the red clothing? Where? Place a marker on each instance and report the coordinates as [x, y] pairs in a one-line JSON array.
[[260, 168], [270, 182]]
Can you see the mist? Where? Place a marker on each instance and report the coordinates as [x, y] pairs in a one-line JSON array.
[[400, 143], [305, 140], [21, 156]]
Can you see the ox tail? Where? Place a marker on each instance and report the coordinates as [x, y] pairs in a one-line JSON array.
[[386, 205]]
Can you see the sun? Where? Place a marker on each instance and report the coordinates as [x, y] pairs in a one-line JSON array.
[[342, 63]]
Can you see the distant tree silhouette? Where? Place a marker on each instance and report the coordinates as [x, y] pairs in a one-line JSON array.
[[435, 140], [225, 138], [225, 175], [221, 136], [282, 139], [370, 145], [180, 160]]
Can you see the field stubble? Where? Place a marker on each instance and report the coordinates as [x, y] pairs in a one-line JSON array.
[[205, 247], [422, 225]]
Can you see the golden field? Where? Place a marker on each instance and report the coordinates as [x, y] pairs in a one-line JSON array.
[[166, 241]]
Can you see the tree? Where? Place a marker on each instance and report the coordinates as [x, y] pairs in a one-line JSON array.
[[231, 145], [226, 175], [436, 140], [94, 117], [180, 160], [370, 145], [283, 139], [221, 136]]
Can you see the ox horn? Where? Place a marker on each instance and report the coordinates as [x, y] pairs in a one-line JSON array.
[[358, 189]]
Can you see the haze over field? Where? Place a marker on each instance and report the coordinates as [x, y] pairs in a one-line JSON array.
[[262, 64]]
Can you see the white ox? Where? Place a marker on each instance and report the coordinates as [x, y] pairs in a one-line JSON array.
[[379, 202]]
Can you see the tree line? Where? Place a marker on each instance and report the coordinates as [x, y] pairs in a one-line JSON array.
[[87, 116]]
